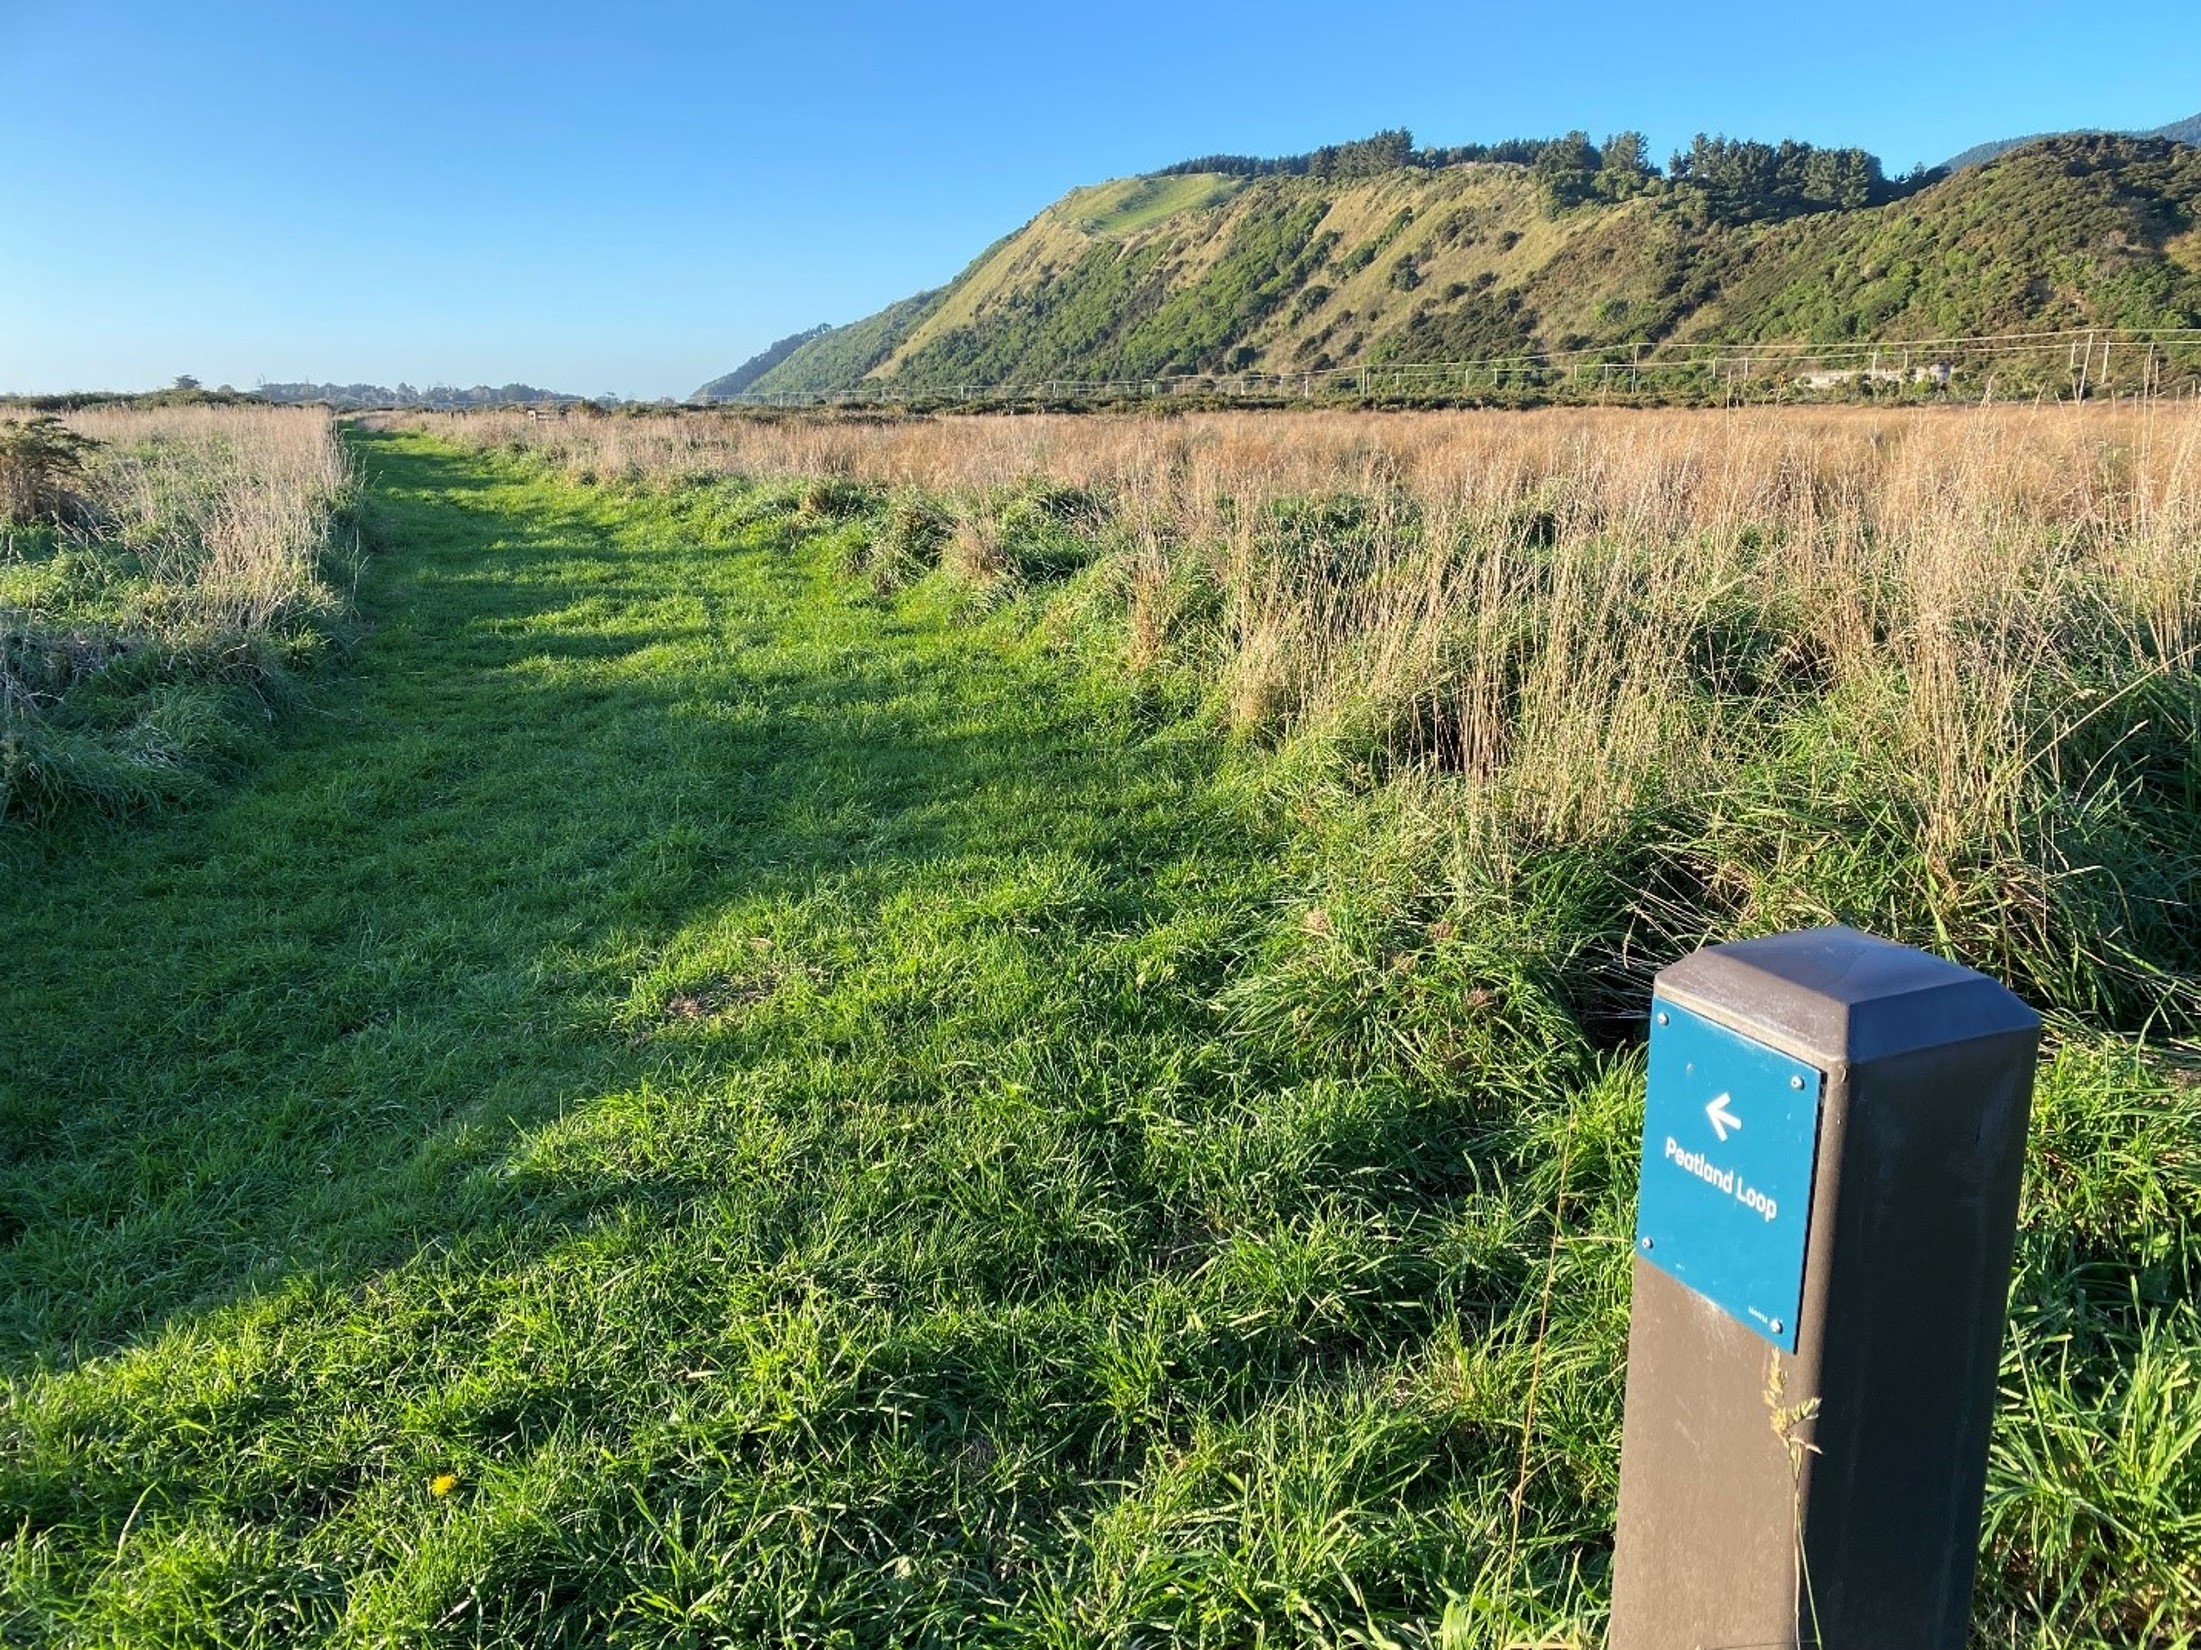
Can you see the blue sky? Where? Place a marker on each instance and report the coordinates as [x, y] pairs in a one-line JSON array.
[[636, 197]]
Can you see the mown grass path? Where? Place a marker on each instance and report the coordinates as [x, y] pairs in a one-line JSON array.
[[683, 1103]]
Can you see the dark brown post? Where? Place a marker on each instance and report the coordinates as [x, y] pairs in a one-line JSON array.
[[1832, 1144]]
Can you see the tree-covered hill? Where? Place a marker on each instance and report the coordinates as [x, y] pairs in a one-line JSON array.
[[2095, 231], [837, 357], [733, 383], [2184, 131], [1377, 253]]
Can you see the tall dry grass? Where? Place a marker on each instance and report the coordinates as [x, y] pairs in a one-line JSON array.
[[1957, 646], [231, 512], [203, 558]]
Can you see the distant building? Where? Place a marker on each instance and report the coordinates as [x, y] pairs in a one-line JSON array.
[[1937, 375]]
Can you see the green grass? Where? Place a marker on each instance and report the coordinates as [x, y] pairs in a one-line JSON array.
[[1140, 203], [836, 1119]]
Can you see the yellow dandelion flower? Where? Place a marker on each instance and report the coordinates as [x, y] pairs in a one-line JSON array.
[[443, 1483]]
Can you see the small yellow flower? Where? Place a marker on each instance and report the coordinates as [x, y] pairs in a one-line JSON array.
[[443, 1483]]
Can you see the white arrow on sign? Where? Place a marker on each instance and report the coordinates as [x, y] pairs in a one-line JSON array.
[[1722, 1119]]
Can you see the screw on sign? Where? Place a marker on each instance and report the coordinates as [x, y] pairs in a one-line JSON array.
[[1833, 1133]]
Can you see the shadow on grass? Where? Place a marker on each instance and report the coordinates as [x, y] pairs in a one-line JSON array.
[[660, 1007], [280, 1030], [728, 1082]]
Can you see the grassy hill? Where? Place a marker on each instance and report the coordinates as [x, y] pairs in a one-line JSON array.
[[1210, 272], [731, 384], [841, 356]]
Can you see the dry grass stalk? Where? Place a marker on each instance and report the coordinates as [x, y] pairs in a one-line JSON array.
[[229, 510], [1530, 596]]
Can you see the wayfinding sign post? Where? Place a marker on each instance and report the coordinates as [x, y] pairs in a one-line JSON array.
[[1832, 1141]]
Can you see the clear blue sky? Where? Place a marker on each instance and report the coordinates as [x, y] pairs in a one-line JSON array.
[[635, 197]]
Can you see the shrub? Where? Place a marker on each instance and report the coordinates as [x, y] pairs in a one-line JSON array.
[[41, 460]]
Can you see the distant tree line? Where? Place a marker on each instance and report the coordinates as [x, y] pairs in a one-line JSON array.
[[1732, 179], [1387, 151], [1740, 181], [1573, 170]]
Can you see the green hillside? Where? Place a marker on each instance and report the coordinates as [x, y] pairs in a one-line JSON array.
[[732, 384], [2185, 131], [842, 356], [2093, 231], [1284, 271]]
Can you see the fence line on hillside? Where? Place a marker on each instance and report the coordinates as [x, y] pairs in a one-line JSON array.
[[2080, 363]]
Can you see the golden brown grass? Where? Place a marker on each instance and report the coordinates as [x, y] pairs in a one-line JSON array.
[[229, 510], [1947, 618], [193, 565], [1967, 549]]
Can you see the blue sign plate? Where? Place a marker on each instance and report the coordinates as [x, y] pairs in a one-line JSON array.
[[1730, 1139]]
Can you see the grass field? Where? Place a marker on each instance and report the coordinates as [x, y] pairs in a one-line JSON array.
[[804, 1061]]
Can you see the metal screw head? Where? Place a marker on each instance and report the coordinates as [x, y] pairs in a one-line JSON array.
[[1663, 1019], [1646, 1242], [1776, 1326], [1795, 1082]]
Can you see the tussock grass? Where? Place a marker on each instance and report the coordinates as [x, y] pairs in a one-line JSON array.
[[1930, 673], [199, 563], [1042, 1053]]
